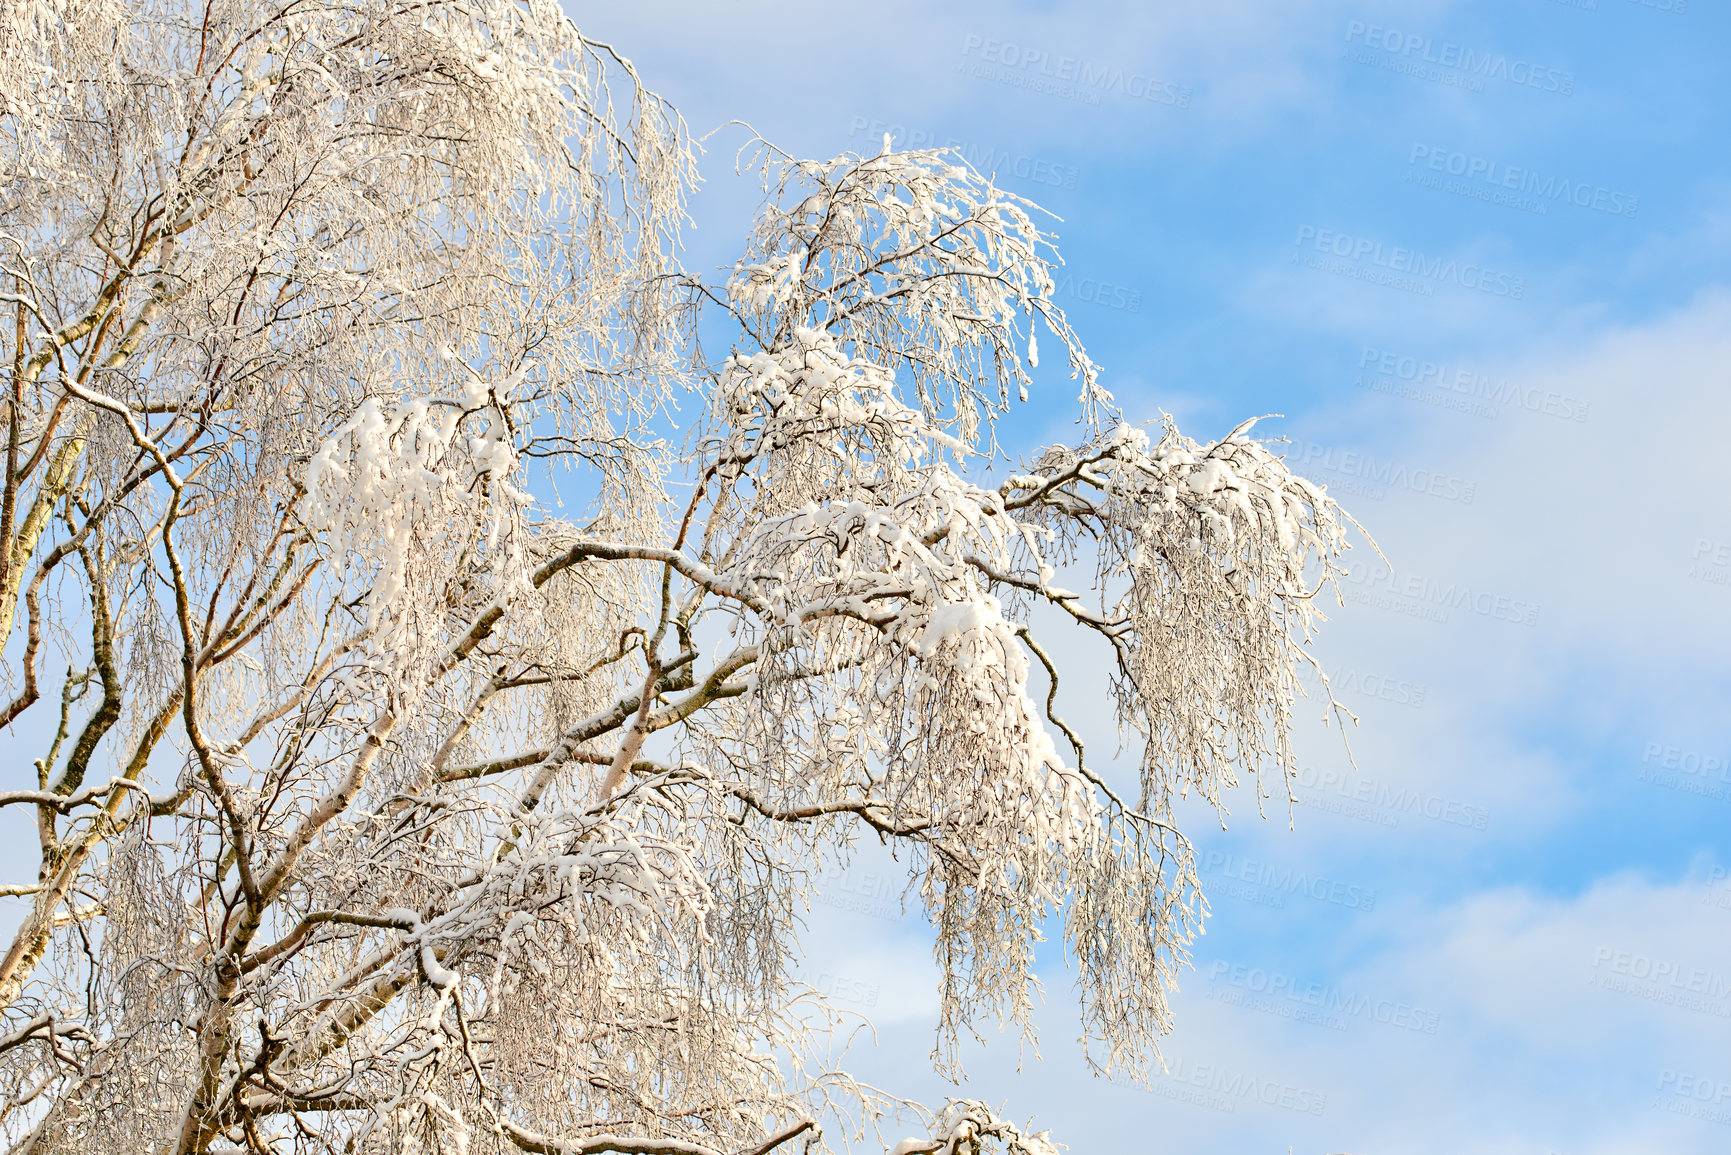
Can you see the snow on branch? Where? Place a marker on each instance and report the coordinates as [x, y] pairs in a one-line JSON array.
[[461, 753]]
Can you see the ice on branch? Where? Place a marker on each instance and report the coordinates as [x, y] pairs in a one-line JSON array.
[[437, 759]]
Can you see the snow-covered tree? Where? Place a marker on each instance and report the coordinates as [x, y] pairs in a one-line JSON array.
[[444, 678]]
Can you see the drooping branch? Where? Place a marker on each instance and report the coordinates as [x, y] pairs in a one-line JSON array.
[[391, 804]]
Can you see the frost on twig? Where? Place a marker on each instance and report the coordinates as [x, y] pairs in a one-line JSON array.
[[443, 758]]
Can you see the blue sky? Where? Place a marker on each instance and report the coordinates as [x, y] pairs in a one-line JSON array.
[[1492, 302]]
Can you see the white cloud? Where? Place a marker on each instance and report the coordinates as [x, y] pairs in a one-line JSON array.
[[1527, 1054], [1613, 523], [1589, 1022], [800, 77]]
